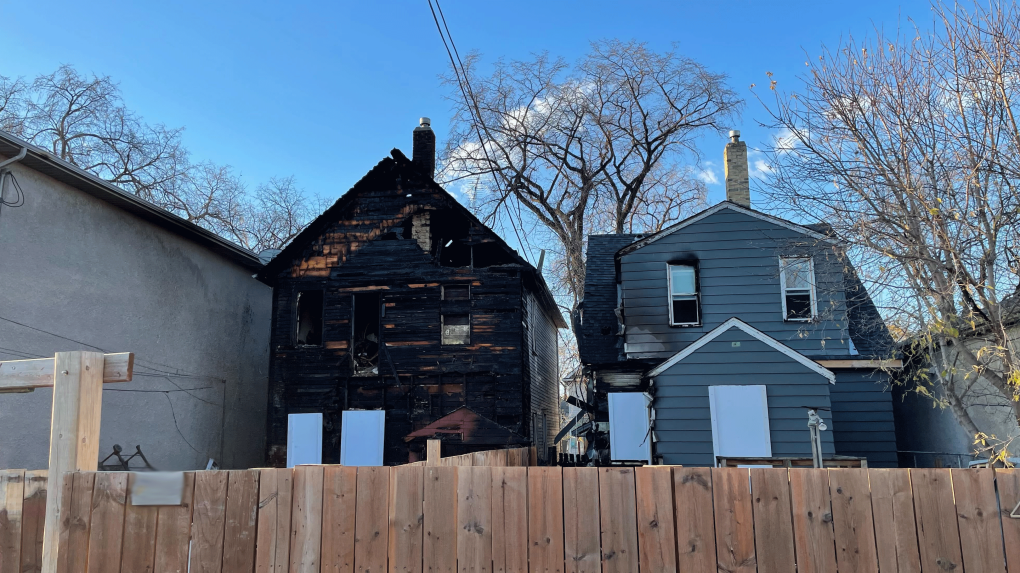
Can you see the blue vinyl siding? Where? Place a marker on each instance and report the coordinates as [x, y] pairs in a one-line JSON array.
[[862, 417]]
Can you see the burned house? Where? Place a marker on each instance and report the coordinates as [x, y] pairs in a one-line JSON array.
[[398, 300]]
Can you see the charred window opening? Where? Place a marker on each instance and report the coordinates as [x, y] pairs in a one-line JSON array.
[[456, 329], [457, 292], [490, 255], [451, 243], [454, 253], [365, 346], [309, 318]]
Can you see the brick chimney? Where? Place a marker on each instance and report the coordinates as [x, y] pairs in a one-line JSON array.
[[424, 150], [738, 183]]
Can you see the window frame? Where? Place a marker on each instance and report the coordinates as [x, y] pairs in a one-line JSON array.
[[442, 329], [696, 294], [811, 290], [442, 294]]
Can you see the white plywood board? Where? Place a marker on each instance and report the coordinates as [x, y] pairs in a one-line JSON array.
[[630, 438], [740, 421], [361, 437], [304, 439]]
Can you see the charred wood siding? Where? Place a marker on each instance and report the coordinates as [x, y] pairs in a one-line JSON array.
[[382, 244]]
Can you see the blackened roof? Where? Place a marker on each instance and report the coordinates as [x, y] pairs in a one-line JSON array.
[[597, 328]]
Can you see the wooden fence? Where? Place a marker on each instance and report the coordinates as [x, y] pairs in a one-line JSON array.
[[329, 519], [511, 457]]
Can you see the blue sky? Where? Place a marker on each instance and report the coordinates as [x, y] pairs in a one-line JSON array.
[[323, 90]]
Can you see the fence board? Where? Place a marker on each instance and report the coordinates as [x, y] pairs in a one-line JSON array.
[[339, 498], [306, 519], [937, 533], [1009, 496], [545, 519], [406, 518], [619, 520], [474, 518], [33, 519], [813, 536], [656, 536], [734, 527], [240, 521], [272, 542], [581, 540], [208, 524], [12, 498], [370, 520], [510, 519], [978, 520], [173, 530], [139, 553], [695, 520], [76, 522], [852, 520], [892, 505], [773, 528], [106, 537], [440, 539]]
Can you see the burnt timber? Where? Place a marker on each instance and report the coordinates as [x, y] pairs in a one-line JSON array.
[[397, 298]]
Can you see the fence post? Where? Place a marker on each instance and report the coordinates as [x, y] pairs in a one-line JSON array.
[[433, 452], [74, 434]]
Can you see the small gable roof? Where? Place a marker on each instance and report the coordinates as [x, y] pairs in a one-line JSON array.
[[715, 209], [737, 323], [471, 427]]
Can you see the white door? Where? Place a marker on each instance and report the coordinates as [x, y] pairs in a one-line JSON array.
[[361, 437], [304, 439], [740, 421], [630, 436]]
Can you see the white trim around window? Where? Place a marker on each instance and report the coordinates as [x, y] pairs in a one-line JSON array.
[[690, 293], [810, 290]]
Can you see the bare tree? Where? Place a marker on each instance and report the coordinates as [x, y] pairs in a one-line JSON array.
[[600, 146], [908, 146], [83, 120]]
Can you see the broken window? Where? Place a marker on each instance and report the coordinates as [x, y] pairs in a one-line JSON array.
[[798, 281], [456, 292], [456, 329], [454, 253], [309, 317], [365, 329]]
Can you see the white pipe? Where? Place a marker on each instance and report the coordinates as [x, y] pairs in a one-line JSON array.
[[3, 172], [21, 155]]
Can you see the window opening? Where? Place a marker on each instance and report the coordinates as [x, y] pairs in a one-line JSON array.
[[456, 329], [365, 346], [457, 292], [309, 318], [683, 292], [797, 278]]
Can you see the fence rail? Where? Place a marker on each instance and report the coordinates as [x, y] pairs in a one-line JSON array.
[[321, 519]]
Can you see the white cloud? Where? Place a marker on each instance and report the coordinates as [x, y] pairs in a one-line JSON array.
[[758, 167], [708, 175], [784, 141]]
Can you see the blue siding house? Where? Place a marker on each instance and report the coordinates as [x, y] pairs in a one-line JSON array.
[[735, 323]]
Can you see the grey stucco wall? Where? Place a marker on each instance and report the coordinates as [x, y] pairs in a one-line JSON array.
[[738, 268], [81, 274], [683, 420]]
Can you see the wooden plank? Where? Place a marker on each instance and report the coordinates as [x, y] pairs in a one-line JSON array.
[[773, 527], [433, 452], [510, 520], [33, 518], [813, 535], [618, 512], [1008, 481], [545, 519], [474, 520], [107, 535], [852, 521], [938, 535], [582, 542], [892, 504], [12, 499], [978, 520], [306, 520], [240, 521], [406, 518], [734, 526], [695, 520], [76, 524], [139, 535], [370, 520], [38, 372], [173, 531], [339, 497], [272, 545], [208, 521], [74, 432], [440, 542], [656, 535]]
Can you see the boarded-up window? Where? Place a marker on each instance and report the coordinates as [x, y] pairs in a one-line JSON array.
[[456, 329], [309, 317], [630, 430], [456, 292], [304, 439], [683, 295], [362, 435], [797, 278], [740, 421]]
